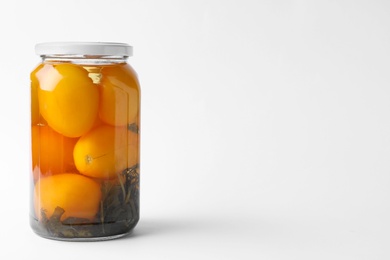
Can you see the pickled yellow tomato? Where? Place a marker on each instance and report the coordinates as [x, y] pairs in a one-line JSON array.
[[106, 151], [78, 195], [119, 91], [34, 96], [68, 99]]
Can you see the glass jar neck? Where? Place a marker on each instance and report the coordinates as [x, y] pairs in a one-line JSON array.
[[84, 59]]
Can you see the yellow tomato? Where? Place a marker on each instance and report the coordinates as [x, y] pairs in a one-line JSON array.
[[105, 151], [68, 99], [34, 96], [78, 195], [52, 153], [119, 92]]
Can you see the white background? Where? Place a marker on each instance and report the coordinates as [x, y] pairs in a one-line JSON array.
[[265, 126]]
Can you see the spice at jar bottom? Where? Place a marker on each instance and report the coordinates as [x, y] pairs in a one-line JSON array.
[[85, 142]]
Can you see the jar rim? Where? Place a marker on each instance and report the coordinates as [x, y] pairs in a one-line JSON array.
[[84, 48]]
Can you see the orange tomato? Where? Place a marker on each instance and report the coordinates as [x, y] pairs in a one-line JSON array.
[[68, 99], [52, 153], [78, 195], [105, 151], [119, 95], [34, 97]]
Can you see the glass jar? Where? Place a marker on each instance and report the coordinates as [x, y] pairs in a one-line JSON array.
[[85, 139]]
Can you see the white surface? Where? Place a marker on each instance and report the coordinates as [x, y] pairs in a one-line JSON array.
[[265, 126]]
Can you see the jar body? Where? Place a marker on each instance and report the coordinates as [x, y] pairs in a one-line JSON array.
[[85, 171]]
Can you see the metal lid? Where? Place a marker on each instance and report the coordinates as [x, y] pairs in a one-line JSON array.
[[84, 48]]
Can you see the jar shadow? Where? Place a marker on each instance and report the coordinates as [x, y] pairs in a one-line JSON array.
[[156, 227]]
